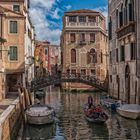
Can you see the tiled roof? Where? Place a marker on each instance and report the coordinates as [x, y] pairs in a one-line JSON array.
[[82, 11], [3, 9]]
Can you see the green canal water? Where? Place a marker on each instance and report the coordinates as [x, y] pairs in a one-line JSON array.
[[71, 125]]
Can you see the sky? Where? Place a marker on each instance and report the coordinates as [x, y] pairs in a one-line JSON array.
[[46, 15]]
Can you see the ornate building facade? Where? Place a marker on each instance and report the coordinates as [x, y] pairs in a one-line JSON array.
[[124, 50], [84, 45]]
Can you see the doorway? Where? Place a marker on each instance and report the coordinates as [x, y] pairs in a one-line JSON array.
[[127, 84]]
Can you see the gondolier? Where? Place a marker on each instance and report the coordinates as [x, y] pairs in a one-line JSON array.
[[90, 101]]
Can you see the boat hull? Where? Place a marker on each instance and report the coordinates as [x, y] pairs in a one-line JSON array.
[[111, 104], [128, 114], [48, 119], [95, 120]]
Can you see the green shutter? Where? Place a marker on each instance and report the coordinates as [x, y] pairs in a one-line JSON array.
[[13, 26], [13, 53]]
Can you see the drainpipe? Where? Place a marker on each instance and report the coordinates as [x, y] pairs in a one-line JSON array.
[[137, 9]]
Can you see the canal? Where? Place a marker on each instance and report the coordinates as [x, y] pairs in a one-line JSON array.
[[71, 125]]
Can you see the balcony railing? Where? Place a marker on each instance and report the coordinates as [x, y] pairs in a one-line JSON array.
[[130, 28], [95, 24]]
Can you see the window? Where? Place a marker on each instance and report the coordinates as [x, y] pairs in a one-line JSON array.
[[121, 17], [111, 78], [126, 12], [92, 37], [73, 56], [82, 18], [16, 8], [122, 53], [13, 26], [91, 19], [116, 18], [82, 37], [131, 10], [110, 54], [93, 72], [13, 53], [83, 71], [72, 18], [92, 56], [101, 57], [110, 29], [72, 37], [132, 51], [46, 51], [73, 71], [117, 59]]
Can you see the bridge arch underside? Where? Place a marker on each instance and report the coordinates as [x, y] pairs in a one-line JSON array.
[[95, 84]]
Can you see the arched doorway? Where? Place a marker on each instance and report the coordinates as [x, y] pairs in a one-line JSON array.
[[118, 82], [127, 84]]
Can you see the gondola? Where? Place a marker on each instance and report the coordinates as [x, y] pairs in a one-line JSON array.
[[95, 117]]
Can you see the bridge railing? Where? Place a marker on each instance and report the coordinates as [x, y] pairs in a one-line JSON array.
[[65, 77]]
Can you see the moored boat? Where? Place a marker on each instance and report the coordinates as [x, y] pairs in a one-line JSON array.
[[40, 114], [109, 103], [131, 111]]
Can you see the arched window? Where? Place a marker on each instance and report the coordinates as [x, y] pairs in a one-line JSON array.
[[131, 10], [121, 16], [73, 56], [92, 56]]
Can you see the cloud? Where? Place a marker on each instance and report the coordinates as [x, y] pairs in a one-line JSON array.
[[55, 14], [39, 10], [43, 3], [104, 11], [68, 7]]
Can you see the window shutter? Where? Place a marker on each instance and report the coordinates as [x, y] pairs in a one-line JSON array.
[[13, 26], [13, 53]]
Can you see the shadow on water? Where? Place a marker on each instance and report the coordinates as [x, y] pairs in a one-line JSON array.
[[39, 132]]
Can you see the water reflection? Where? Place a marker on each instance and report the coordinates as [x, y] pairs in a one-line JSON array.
[[71, 124], [42, 132]]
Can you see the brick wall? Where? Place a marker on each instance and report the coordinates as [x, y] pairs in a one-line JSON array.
[[10, 120]]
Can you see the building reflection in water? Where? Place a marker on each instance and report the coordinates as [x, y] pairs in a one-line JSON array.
[[37, 132], [71, 124]]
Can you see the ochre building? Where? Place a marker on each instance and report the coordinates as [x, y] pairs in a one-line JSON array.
[[84, 45]]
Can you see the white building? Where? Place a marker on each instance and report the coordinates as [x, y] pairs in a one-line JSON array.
[[29, 44]]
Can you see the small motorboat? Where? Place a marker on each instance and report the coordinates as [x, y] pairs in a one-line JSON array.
[[110, 103], [40, 114], [39, 93], [131, 111], [95, 117]]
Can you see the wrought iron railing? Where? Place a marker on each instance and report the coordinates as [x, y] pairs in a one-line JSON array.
[[65, 77]]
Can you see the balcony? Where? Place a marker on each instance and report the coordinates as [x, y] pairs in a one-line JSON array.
[[82, 24], [82, 43], [125, 30]]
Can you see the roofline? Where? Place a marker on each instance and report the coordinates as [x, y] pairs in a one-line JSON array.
[[76, 13], [8, 10]]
